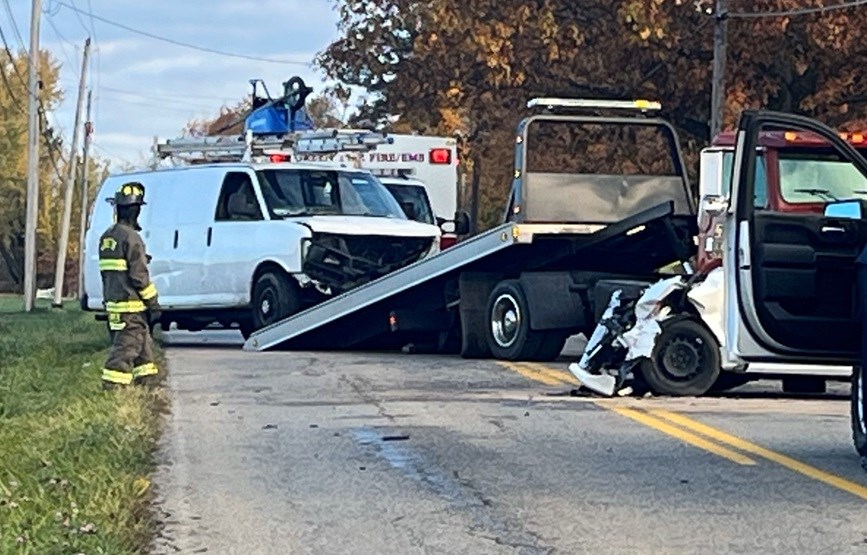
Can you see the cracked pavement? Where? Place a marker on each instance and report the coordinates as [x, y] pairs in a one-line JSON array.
[[388, 453]]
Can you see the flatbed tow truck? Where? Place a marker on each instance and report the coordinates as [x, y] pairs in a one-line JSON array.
[[570, 237]]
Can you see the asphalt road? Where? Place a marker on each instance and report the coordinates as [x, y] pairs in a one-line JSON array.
[[390, 453]]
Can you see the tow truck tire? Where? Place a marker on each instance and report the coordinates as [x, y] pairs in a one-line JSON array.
[[274, 299], [859, 413], [685, 360], [508, 332], [551, 345]]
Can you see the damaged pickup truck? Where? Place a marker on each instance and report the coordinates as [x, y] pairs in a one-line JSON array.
[[248, 244]]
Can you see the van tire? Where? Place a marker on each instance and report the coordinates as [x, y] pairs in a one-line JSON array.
[[274, 299], [508, 332], [685, 360], [859, 413]]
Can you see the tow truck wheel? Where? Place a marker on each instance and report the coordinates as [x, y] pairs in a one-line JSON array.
[[509, 335], [859, 413], [274, 299], [685, 360]]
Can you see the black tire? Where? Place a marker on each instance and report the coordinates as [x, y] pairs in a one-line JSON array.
[[729, 380], [859, 413], [275, 298], [551, 345], [685, 360], [508, 332]]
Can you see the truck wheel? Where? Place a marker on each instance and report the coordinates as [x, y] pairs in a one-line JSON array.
[[551, 345], [509, 335], [859, 413], [274, 299], [685, 360]]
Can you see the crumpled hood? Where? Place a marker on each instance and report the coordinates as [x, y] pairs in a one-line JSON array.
[[368, 225]]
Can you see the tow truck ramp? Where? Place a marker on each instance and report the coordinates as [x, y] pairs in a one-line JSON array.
[[423, 296]]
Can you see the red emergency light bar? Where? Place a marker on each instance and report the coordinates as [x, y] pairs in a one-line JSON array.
[[276, 158], [440, 156]]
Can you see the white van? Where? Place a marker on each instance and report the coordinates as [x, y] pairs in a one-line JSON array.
[[250, 244]]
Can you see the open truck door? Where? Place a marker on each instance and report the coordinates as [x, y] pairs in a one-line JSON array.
[[791, 278]]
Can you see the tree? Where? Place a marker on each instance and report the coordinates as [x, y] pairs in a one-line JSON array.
[[13, 171], [469, 66], [323, 109]]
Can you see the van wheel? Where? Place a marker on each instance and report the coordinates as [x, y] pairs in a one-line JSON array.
[[509, 335], [274, 299], [685, 360], [859, 413]]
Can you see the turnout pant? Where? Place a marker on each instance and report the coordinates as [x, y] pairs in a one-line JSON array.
[[131, 355]]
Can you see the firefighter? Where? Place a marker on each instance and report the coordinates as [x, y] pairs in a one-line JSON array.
[[130, 297]]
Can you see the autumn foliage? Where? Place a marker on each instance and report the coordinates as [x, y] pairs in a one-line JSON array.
[[468, 67]]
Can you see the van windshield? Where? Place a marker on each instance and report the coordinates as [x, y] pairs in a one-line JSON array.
[[299, 192]]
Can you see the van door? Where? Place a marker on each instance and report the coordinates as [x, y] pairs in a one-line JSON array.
[[236, 218], [790, 277], [194, 193]]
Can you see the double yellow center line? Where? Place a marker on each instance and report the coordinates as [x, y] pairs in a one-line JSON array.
[[694, 433]]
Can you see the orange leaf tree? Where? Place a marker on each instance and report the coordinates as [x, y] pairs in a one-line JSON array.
[[469, 66]]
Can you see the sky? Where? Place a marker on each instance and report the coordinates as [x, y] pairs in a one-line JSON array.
[[144, 87]]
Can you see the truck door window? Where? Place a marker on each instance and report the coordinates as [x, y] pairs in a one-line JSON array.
[[237, 200]]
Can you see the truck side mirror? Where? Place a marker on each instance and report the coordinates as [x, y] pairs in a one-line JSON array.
[[714, 205], [845, 209], [462, 223]]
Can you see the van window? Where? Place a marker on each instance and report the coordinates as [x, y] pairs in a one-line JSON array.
[[237, 202]]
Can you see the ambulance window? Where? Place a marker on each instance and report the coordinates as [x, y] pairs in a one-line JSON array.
[[237, 200]]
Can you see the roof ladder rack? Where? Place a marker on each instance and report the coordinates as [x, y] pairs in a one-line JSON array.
[[243, 148]]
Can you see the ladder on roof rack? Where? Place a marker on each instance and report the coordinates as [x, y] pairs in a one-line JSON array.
[[248, 147]]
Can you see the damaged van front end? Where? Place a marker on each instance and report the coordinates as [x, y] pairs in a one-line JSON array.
[[339, 263]]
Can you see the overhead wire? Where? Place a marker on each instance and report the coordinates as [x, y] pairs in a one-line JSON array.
[[797, 11], [184, 44]]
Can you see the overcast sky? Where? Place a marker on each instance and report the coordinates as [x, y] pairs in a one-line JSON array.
[[144, 87]]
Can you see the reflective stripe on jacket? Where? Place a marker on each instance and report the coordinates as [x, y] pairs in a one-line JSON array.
[[126, 283]]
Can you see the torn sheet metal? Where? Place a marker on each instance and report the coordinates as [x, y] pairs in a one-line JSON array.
[[641, 338], [626, 333]]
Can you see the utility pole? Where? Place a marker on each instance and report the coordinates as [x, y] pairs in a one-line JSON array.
[[718, 87], [32, 161], [60, 267], [88, 131]]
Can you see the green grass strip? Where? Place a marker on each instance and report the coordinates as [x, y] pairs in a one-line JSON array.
[[74, 460]]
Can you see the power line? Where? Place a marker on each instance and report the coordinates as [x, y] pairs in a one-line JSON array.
[[62, 40], [184, 44], [800, 11], [14, 24]]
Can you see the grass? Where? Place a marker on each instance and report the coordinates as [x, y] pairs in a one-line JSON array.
[[74, 460]]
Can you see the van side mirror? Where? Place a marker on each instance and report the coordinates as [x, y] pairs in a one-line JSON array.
[[845, 209], [462, 223], [714, 205]]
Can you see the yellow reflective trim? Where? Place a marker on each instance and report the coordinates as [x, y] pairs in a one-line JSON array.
[[113, 265], [115, 376], [148, 292], [149, 369], [125, 306]]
